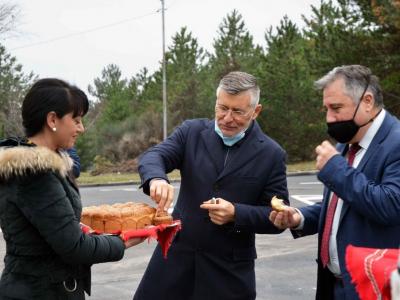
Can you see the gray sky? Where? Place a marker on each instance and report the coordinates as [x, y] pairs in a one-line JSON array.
[[75, 39]]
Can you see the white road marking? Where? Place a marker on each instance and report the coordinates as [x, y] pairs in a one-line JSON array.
[[307, 199], [311, 182], [119, 189]]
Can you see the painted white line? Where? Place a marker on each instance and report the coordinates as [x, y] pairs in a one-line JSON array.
[[307, 199], [119, 189], [130, 190], [311, 182]]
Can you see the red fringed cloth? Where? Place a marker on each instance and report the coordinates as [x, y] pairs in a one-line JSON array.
[[163, 233], [370, 271]]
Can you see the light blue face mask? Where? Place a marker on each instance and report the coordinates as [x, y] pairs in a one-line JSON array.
[[229, 140]]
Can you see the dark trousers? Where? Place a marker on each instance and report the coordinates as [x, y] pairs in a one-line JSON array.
[[338, 291]]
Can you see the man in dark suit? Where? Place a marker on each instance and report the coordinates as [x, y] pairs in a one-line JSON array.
[[230, 170], [361, 204]]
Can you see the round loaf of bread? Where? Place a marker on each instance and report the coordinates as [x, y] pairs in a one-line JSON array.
[[118, 217]]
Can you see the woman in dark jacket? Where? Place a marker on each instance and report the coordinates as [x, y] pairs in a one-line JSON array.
[[47, 255]]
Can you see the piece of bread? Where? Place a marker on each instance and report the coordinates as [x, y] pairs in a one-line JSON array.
[[277, 204], [162, 217]]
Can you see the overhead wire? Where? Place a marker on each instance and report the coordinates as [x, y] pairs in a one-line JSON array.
[[89, 30], [83, 32]]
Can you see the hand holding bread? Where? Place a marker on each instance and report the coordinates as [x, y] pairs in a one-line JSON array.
[[162, 193], [277, 204], [282, 215]]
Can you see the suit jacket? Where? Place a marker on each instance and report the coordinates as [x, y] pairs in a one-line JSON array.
[[209, 261], [370, 216]]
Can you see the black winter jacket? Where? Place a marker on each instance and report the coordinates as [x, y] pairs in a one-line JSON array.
[[40, 208]]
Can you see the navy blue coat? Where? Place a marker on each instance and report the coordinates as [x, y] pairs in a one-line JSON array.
[[209, 261], [370, 215]]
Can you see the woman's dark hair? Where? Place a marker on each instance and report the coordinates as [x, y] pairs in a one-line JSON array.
[[47, 95]]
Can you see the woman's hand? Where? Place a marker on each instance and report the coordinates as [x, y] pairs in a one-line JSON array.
[[133, 242]]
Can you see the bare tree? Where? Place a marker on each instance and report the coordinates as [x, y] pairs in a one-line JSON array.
[[13, 81], [9, 16]]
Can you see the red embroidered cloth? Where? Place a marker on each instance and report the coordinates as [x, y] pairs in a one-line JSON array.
[[370, 270], [163, 233]]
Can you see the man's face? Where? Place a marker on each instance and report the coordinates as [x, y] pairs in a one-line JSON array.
[[340, 106], [234, 113]]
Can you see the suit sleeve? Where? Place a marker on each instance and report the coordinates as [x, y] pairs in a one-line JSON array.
[[311, 214], [254, 218], [377, 200], [163, 158], [44, 203], [76, 168]]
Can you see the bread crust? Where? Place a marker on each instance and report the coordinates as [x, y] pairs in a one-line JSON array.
[[277, 204], [122, 217]]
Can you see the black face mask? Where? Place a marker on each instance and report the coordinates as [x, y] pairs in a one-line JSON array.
[[344, 131]]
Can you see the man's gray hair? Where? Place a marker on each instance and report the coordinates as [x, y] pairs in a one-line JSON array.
[[356, 78], [236, 82]]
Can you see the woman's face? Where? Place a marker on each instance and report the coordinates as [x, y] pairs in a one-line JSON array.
[[67, 130]]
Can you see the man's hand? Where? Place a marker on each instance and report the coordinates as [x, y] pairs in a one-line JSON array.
[[162, 193], [288, 218], [219, 210], [325, 151]]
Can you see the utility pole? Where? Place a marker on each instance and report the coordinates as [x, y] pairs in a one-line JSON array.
[[164, 73]]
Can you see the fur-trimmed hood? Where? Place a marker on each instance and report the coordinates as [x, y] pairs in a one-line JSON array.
[[22, 160]]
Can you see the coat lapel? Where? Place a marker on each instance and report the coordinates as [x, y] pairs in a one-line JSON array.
[[372, 149], [377, 140]]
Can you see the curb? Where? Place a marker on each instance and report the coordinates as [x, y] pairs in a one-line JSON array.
[[302, 173], [289, 174]]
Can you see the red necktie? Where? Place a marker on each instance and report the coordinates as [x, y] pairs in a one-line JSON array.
[[330, 213]]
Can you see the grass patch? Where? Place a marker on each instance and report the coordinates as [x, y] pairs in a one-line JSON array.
[[302, 166], [86, 178]]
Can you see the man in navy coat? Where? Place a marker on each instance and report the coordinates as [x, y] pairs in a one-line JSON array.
[[230, 170], [367, 212]]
